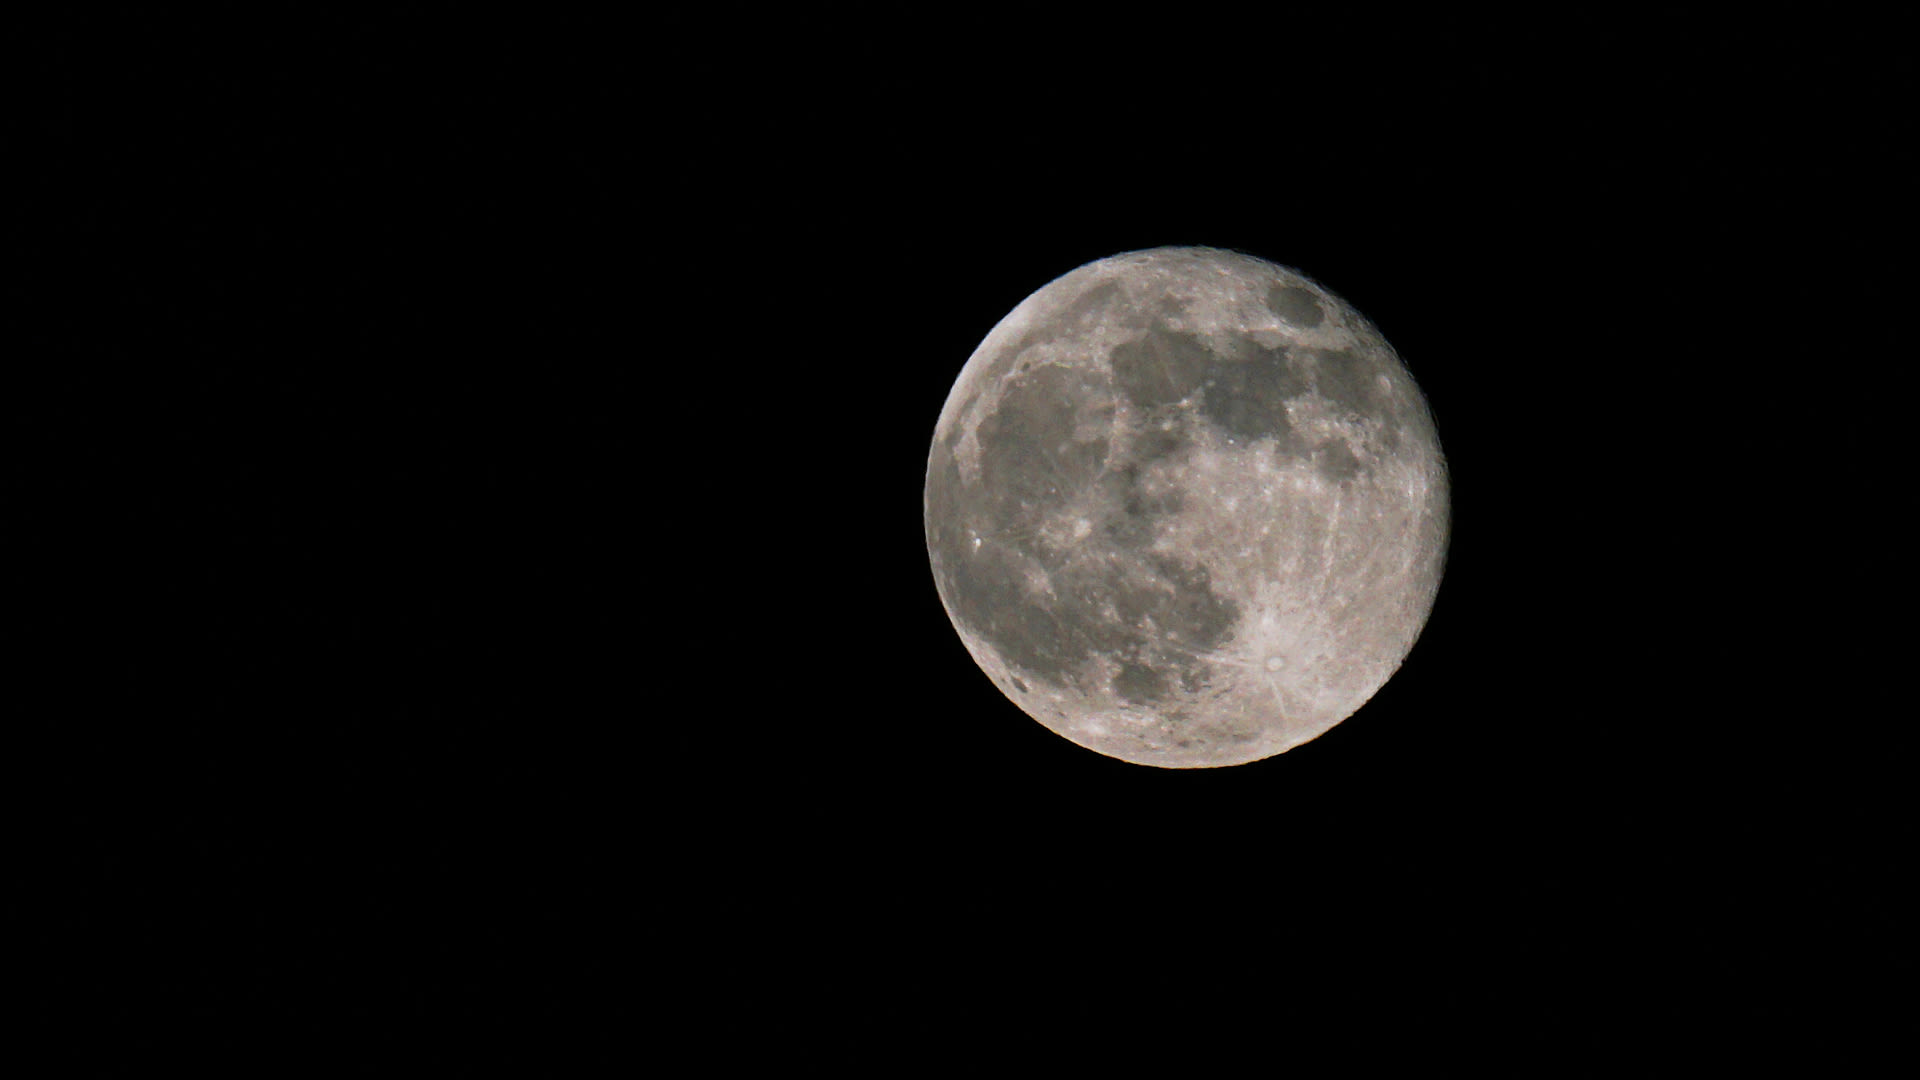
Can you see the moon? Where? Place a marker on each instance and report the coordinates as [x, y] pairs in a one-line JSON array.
[[1186, 508]]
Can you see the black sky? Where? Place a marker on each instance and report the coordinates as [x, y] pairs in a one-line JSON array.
[[478, 493]]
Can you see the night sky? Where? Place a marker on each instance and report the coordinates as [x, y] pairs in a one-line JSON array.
[[470, 510]]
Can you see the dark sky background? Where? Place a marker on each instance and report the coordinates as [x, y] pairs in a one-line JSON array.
[[475, 495]]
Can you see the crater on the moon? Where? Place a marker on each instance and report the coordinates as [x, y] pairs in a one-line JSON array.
[[1186, 507]]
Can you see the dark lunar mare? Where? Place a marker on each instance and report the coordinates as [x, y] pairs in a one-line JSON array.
[[1030, 468], [1247, 396], [1295, 305]]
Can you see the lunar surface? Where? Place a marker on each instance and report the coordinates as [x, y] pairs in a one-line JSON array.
[[1186, 508]]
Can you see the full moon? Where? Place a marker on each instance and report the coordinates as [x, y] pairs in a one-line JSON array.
[[1186, 508]]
